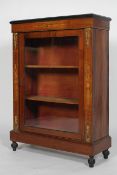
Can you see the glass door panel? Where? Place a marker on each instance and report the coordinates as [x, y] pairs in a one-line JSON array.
[[51, 82]]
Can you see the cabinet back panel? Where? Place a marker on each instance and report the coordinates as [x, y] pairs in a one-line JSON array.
[[61, 83], [52, 51], [52, 116]]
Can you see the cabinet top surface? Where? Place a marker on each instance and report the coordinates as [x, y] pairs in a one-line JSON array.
[[91, 15]]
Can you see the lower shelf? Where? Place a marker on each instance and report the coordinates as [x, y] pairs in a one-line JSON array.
[[55, 123], [56, 116]]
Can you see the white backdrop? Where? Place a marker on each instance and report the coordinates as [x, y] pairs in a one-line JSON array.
[[31, 160]]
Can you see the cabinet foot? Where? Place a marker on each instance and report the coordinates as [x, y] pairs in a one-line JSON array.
[[14, 146], [106, 153], [91, 161]]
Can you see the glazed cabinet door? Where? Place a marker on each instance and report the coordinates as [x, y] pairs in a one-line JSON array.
[[51, 83]]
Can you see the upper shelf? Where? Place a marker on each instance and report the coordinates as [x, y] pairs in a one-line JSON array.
[[53, 99], [50, 67]]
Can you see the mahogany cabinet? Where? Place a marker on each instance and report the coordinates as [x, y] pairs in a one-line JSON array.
[[61, 84]]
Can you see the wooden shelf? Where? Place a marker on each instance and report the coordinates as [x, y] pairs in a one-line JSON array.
[[71, 124], [53, 99], [50, 67]]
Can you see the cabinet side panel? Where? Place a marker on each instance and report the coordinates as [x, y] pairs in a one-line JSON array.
[[101, 84]]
